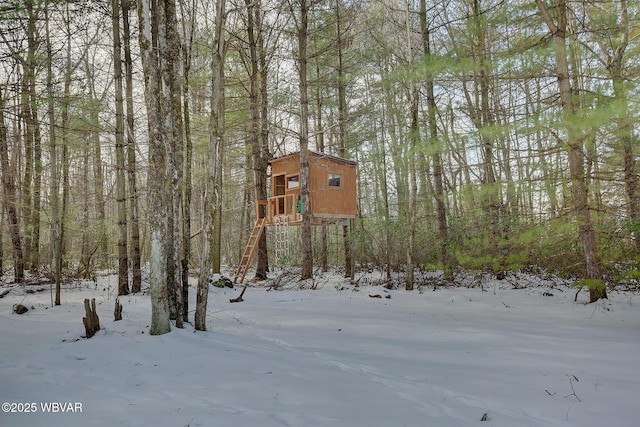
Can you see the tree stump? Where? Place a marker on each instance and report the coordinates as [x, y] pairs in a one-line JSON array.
[[117, 312], [91, 321]]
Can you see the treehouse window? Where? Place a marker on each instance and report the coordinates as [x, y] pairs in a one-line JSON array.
[[293, 182], [335, 180], [279, 185]]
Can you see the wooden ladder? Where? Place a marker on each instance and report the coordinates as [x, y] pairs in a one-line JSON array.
[[250, 250]]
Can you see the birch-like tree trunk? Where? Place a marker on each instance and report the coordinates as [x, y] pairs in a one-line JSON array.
[[210, 261], [170, 56], [149, 21]]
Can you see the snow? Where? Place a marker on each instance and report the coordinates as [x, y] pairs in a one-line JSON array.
[[489, 355]]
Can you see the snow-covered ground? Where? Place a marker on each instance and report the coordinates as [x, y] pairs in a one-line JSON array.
[[488, 355]]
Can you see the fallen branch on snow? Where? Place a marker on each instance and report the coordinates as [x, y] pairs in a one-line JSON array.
[[239, 298]]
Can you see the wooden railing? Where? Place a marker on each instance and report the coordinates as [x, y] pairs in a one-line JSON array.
[[286, 205]]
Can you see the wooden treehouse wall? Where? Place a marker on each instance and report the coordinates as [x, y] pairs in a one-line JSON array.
[[332, 183]]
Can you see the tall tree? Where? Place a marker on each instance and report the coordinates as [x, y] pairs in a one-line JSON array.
[[414, 136], [134, 216], [435, 145], [55, 222], [217, 135], [259, 151], [188, 30], [170, 59], [263, 72], [342, 121], [575, 143], [150, 19], [301, 16], [479, 102], [9, 201], [65, 128], [31, 187], [210, 261], [123, 259]]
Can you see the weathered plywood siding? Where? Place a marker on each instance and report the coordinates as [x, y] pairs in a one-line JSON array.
[[326, 201]]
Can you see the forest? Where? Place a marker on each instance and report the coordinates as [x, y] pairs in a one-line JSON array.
[[492, 135]]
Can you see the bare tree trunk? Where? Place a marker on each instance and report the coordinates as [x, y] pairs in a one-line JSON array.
[[259, 154], [123, 260], [134, 216], [305, 232], [320, 146], [246, 223], [31, 192], [438, 184], [485, 119], [202, 290], [149, 20], [85, 250], [395, 126], [56, 237], [217, 134], [36, 205], [579, 192], [9, 199], [381, 155], [414, 135], [188, 32], [65, 129], [262, 263], [95, 151], [103, 238], [210, 262], [170, 50], [342, 129]]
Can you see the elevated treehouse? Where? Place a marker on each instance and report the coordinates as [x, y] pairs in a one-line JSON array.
[[332, 189]]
